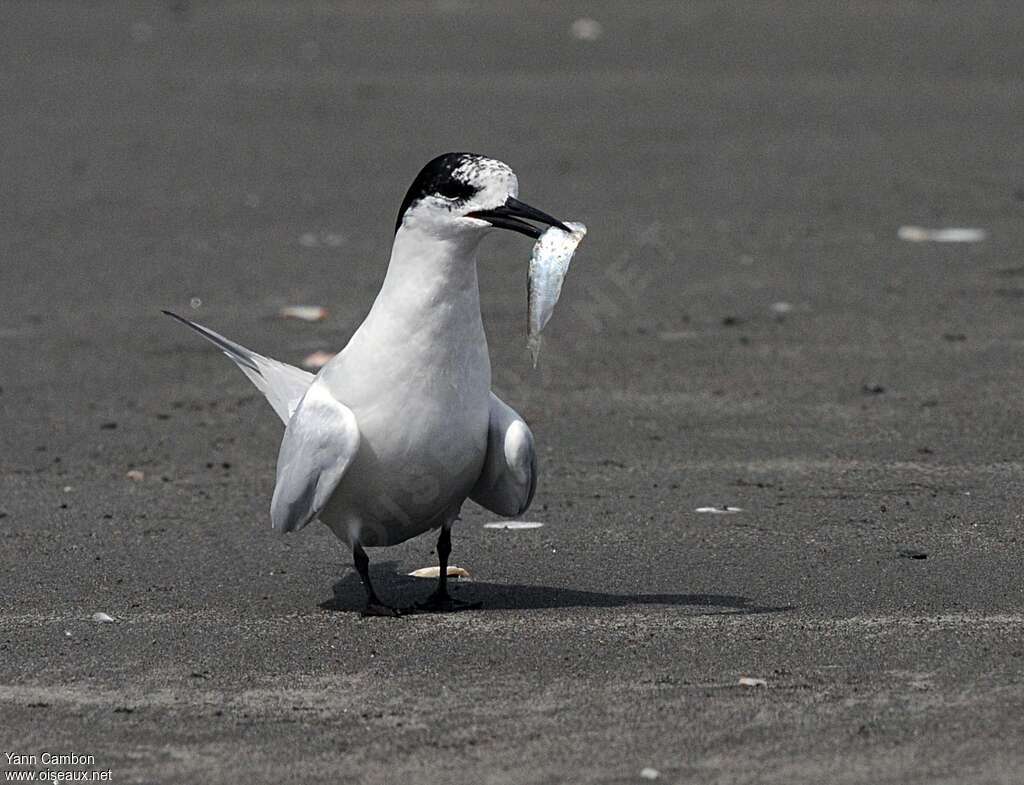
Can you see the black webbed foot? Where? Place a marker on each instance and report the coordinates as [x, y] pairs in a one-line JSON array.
[[374, 607]]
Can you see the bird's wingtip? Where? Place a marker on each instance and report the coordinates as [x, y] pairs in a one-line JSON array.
[[178, 318]]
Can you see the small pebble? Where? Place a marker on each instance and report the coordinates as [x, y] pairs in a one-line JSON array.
[[586, 29]]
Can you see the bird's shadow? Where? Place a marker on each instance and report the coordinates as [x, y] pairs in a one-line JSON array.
[[403, 589]]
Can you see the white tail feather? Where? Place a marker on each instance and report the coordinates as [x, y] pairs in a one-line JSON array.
[[283, 385]]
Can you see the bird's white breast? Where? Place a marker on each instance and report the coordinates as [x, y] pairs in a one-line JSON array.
[[417, 377]]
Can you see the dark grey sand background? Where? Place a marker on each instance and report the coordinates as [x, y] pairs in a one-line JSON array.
[[726, 157]]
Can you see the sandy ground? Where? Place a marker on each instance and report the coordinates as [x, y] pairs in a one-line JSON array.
[[239, 157]]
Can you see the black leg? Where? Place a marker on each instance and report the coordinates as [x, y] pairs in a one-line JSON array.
[[374, 607], [444, 550], [441, 601]]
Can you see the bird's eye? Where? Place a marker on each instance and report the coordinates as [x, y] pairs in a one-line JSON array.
[[455, 190]]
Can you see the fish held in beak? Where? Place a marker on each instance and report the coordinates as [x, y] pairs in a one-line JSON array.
[[549, 264]]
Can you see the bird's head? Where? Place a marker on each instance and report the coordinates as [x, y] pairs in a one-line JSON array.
[[460, 194]]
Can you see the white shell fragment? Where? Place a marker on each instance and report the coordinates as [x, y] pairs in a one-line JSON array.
[[317, 360], [305, 313], [918, 234], [549, 264], [513, 525], [102, 618], [649, 774], [725, 509], [747, 681], [135, 475], [435, 572]]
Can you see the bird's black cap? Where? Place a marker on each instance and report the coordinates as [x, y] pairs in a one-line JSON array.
[[438, 178]]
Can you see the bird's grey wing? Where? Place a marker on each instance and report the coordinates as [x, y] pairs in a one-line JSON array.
[[283, 385], [509, 476], [320, 442]]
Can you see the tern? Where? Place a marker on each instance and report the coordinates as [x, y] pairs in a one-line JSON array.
[[394, 433]]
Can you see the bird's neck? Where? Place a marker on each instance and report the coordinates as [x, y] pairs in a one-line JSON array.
[[426, 272]]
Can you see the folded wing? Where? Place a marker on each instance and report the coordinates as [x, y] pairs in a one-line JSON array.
[[509, 476], [320, 443]]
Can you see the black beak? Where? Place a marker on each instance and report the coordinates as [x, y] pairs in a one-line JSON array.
[[511, 215]]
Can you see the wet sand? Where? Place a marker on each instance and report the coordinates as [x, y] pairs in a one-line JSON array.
[[224, 162]]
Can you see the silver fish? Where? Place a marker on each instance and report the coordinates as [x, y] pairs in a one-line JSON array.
[[549, 264]]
